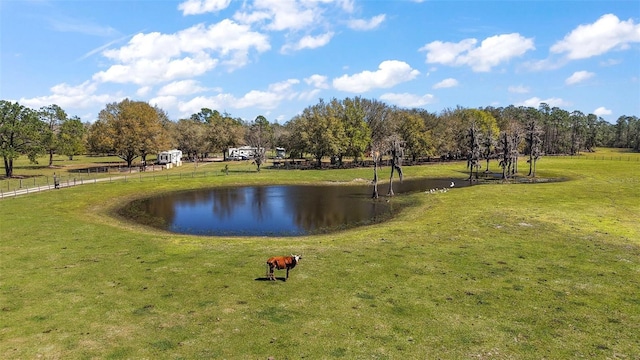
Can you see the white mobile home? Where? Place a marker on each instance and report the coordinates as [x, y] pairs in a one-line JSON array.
[[170, 158], [242, 152]]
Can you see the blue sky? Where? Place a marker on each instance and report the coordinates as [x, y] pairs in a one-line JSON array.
[[276, 57]]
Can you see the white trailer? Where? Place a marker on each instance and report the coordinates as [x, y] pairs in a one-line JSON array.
[[170, 158]]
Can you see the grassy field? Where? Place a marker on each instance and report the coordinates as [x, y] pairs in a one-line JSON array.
[[498, 271]]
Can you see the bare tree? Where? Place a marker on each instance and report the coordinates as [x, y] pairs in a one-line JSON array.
[[488, 145], [259, 136], [396, 150], [473, 156], [504, 146], [532, 137]]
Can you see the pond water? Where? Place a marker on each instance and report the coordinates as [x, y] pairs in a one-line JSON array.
[[278, 210]]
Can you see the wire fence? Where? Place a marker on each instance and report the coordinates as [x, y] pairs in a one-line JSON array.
[[630, 158], [20, 187]]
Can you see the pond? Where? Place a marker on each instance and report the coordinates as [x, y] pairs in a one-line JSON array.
[[276, 210]]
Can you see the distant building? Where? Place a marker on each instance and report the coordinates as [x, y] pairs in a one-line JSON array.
[[170, 158], [280, 153]]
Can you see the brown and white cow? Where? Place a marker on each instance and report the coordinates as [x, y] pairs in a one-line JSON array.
[[281, 262]]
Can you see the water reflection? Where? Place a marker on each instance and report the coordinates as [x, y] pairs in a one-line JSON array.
[[277, 210]]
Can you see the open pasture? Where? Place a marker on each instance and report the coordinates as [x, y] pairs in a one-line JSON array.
[[497, 271]]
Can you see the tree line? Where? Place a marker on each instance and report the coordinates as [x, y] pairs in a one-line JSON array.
[[352, 128]]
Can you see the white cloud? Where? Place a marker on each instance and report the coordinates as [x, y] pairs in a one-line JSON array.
[[363, 25], [144, 91], [610, 62], [347, 5], [153, 71], [82, 96], [317, 81], [166, 102], [607, 33], [492, 51], [545, 64], [220, 101], [183, 87], [281, 15], [259, 99], [309, 95], [195, 7], [283, 86], [154, 57], [578, 76], [536, 101], [602, 111], [309, 42], [446, 83], [439, 52], [519, 89], [80, 25], [408, 100], [389, 74]]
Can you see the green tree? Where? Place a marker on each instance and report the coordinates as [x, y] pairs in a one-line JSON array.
[[634, 132], [53, 116], [99, 140], [357, 132], [591, 133], [414, 134], [292, 141], [191, 137], [578, 125], [20, 134], [324, 132], [561, 141], [222, 130], [71, 137], [133, 129]]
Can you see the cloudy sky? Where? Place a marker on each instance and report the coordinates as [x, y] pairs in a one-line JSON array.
[[276, 57]]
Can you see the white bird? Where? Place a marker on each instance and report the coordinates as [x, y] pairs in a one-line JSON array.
[[452, 184]]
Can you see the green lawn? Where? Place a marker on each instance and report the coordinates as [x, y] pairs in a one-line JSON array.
[[498, 271]]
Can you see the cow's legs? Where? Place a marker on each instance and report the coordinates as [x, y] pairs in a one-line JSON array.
[[287, 274], [270, 275]]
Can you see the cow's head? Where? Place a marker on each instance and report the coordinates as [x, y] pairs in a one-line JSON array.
[[296, 258]]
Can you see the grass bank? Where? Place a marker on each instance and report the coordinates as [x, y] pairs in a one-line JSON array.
[[548, 270]]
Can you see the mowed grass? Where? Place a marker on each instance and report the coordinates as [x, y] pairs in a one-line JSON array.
[[499, 271]]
